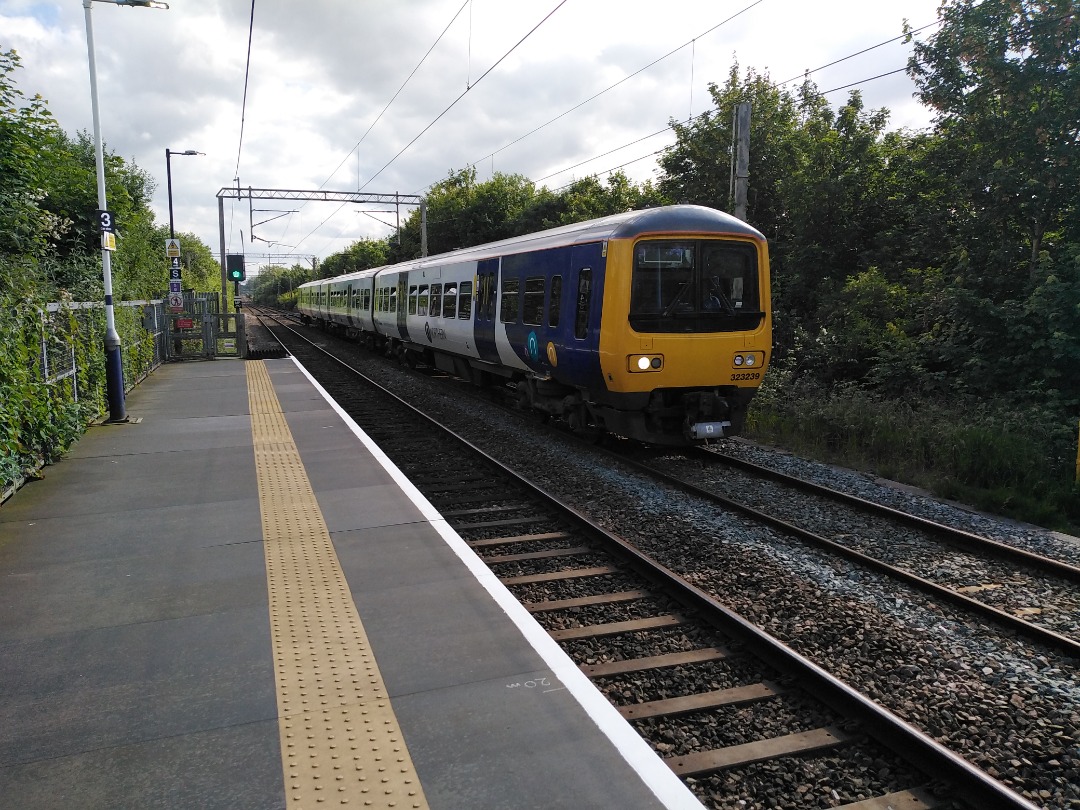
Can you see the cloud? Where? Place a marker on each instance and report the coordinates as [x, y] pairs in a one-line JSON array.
[[322, 71]]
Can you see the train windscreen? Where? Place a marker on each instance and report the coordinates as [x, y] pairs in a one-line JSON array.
[[694, 285]]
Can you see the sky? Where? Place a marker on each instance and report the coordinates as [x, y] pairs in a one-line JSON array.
[[327, 101]]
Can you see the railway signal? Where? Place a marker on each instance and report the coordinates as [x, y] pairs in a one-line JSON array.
[[234, 266]]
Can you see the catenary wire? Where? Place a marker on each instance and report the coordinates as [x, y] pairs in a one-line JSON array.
[[467, 89], [380, 115], [611, 87], [247, 74], [391, 101], [652, 154], [709, 112], [440, 115]]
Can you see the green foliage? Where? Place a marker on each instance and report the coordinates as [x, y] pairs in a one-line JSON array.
[[275, 285], [50, 252], [1004, 76], [1016, 462], [38, 418], [358, 256], [463, 212], [25, 226]]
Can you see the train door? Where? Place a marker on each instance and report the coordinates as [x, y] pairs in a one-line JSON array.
[[484, 319], [399, 304], [579, 322]]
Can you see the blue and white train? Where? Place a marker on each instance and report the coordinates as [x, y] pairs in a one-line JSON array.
[[653, 324]]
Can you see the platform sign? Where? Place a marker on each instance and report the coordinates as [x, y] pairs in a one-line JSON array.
[[172, 253]]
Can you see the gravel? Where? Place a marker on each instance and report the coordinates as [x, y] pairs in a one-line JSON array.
[[1010, 707]]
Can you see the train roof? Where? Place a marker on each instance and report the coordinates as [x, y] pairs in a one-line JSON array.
[[628, 225]]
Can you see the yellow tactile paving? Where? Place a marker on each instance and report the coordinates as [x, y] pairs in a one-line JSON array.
[[340, 741]]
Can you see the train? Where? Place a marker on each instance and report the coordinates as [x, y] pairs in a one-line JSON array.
[[653, 324]]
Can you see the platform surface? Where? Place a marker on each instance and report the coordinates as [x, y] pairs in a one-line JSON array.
[[140, 658]]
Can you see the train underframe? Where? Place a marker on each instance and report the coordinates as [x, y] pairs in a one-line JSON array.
[[672, 417]]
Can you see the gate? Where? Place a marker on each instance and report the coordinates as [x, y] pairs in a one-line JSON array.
[[203, 332]]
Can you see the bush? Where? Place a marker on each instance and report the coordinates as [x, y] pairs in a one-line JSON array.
[[1014, 461]]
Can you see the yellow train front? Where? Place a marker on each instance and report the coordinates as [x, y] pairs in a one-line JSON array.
[[669, 333]]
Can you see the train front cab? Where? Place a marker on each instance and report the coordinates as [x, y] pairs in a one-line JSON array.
[[686, 358]]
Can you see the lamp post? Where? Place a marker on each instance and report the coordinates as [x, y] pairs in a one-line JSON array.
[[114, 363], [168, 175]]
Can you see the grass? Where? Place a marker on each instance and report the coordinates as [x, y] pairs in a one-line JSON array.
[[1014, 463]]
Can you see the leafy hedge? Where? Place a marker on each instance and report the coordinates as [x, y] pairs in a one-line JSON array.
[[1011, 460], [40, 418]]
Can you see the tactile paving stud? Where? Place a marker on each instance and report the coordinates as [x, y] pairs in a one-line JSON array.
[[315, 627]]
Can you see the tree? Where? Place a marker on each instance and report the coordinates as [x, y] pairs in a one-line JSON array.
[[1004, 77], [358, 256], [26, 227], [698, 168]]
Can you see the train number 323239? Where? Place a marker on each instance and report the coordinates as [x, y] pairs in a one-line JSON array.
[[747, 375]]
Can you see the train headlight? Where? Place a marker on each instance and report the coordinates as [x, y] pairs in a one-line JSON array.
[[748, 359], [636, 363]]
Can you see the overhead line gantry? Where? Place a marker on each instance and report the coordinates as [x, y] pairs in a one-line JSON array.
[[315, 195]]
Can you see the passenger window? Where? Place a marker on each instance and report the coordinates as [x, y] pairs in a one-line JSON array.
[[532, 311], [393, 300], [435, 303], [465, 301], [412, 300], [510, 300], [422, 301], [555, 302], [584, 297], [449, 301]]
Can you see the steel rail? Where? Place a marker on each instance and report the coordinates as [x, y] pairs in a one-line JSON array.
[[1057, 641], [960, 537], [975, 785]]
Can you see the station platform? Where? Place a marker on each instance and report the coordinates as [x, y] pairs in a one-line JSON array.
[[235, 600]]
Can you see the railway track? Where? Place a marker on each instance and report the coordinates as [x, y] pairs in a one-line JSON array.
[[1033, 595], [731, 709]]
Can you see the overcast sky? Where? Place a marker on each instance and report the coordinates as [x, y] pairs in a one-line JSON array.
[[322, 72]]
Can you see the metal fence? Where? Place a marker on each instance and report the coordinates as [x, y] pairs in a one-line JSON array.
[[153, 336]]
